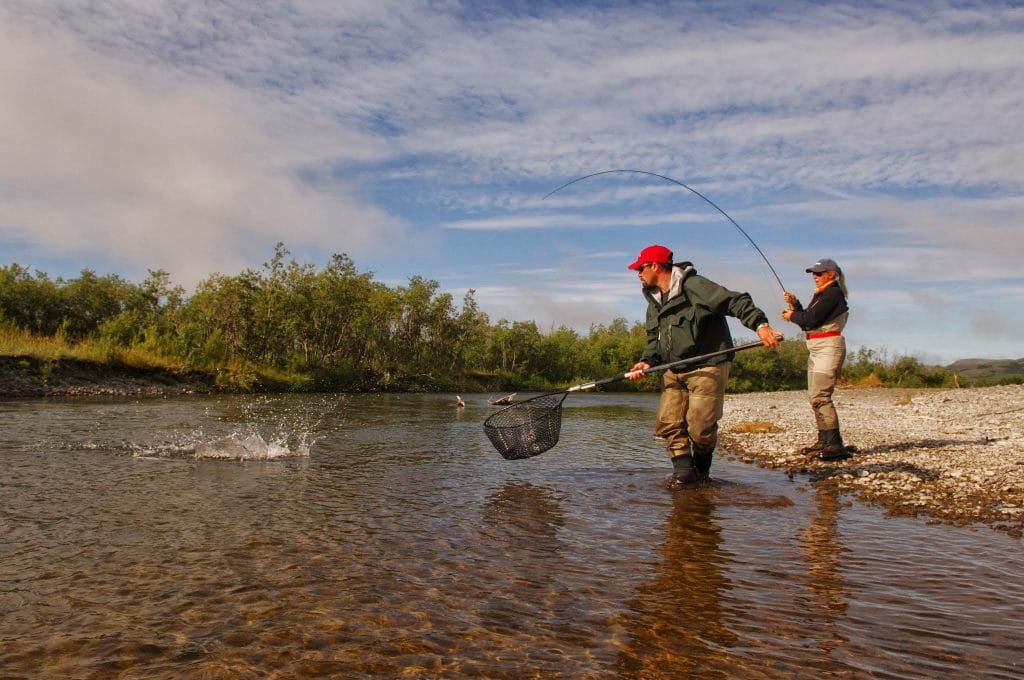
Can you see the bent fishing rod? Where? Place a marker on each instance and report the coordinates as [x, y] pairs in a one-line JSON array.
[[688, 188]]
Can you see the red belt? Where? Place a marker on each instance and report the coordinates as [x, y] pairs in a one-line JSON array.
[[825, 334]]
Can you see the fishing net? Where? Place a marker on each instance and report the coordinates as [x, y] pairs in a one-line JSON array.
[[526, 428], [529, 427]]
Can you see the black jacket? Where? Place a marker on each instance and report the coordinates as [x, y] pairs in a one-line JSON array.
[[825, 306]]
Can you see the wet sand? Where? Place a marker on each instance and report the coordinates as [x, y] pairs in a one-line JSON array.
[[951, 455]]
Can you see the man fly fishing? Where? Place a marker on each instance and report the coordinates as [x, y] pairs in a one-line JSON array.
[[686, 317]]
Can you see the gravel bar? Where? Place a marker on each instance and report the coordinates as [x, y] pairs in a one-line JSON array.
[[949, 455]]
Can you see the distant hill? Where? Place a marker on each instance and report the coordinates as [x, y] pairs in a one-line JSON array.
[[987, 368]]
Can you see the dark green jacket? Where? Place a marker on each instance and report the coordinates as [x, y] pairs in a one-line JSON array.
[[692, 321]]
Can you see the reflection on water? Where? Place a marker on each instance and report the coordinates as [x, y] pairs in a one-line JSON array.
[[389, 539], [822, 549], [675, 619]]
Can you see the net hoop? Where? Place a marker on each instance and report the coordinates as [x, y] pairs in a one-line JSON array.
[[526, 428]]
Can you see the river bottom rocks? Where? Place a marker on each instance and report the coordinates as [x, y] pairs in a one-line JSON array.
[[952, 455]]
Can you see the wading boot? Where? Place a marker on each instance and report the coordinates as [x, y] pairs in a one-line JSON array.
[[817, 446], [683, 471], [833, 448], [702, 456]]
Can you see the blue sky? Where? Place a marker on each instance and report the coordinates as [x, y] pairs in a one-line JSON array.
[[420, 138]]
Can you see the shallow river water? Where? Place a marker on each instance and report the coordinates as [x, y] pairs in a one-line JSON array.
[[383, 536]]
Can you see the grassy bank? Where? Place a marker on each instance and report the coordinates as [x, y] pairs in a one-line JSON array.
[[32, 365], [39, 365]]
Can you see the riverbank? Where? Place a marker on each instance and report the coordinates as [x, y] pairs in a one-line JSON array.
[[951, 455], [30, 378]]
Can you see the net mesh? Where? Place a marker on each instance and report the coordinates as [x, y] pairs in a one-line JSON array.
[[526, 428]]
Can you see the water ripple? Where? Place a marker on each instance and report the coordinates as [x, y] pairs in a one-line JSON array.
[[401, 544]]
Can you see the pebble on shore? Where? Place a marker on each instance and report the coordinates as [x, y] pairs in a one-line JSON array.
[[951, 455]]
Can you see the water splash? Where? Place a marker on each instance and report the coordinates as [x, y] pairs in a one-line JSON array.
[[253, 429], [239, 445], [249, 447]]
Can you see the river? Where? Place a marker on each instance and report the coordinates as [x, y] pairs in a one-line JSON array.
[[383, 536]]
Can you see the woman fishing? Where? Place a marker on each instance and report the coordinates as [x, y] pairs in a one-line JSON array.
[[823, 321]]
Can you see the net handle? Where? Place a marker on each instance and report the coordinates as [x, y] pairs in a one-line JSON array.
[[664, 367], [514, 446], [624, 376]]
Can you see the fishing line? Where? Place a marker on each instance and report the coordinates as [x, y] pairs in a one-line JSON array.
[[691, 190]]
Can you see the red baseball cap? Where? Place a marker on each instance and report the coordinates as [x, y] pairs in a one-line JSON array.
[[657, 254]]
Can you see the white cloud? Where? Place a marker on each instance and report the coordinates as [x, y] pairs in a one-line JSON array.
[[192, 136], [140, 167]]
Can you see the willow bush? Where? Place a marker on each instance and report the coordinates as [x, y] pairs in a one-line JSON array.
[[291, 325]]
